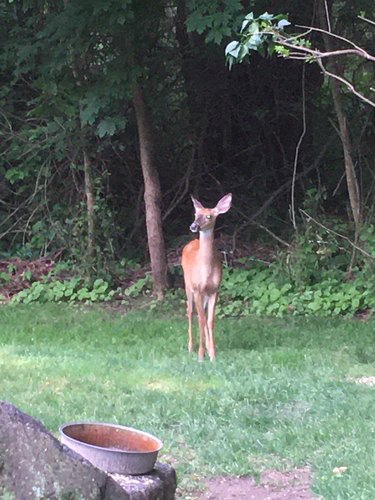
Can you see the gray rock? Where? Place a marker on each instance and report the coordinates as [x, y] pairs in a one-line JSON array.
[[34, 464], [158, 484]]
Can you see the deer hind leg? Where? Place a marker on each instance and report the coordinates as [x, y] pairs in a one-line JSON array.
[[211, 306], [198, 300], [189, 313]]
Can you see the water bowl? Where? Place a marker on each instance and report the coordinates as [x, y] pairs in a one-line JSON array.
[[112, 448]]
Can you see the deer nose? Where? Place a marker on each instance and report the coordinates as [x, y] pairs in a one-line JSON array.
[[194, 227]]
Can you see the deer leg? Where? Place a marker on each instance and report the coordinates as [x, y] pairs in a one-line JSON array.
[[211, 306], [206, 330], [198, 300], [189, 313], [207, 338]]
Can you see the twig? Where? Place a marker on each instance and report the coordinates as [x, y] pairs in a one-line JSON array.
[[181, 191], [286, 184], [366, 20], [296, 155], [357, 48], [254, 223], [327, 16], [356, 247], [271, 233], [345, 82]]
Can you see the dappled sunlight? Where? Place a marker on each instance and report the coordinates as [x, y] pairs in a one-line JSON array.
[[162, 384], [10, 357], [58, 385], [169, 384]]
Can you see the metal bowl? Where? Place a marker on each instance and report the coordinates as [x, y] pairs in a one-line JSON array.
[[113, 448]]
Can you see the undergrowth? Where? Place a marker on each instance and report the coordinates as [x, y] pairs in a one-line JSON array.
[[309, 278], [72, 290], [256, 291]]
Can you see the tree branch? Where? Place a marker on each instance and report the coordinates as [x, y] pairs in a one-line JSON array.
[[309, 217]]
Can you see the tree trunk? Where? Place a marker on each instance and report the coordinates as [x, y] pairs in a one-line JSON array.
[[152, 195], [351, 176], [90, 203]]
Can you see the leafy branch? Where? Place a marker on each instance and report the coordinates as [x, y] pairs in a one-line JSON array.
[[266, 35]]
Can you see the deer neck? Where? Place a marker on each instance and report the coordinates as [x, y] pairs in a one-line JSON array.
[[206, 246]]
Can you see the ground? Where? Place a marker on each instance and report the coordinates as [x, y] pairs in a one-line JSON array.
[[273, 485]]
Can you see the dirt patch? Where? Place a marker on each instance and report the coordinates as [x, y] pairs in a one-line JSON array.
[[273, 485], [17, 274]]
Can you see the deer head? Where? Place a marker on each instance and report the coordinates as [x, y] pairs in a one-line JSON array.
[[205, 218]]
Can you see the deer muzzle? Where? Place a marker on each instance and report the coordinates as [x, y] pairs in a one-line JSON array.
[[194, 227]]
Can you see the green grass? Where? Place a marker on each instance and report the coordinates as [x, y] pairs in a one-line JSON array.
[[278, 396]]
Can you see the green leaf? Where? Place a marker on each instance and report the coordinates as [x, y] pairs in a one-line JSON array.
[[266, 17], [89, 112], [106, 127], [244, 24], [254, 41], [233, 49], [274, 294], [281, 24]]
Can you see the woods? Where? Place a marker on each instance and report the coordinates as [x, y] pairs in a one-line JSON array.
[[112, 113]]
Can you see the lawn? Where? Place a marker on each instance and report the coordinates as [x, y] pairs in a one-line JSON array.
[[281, 393]]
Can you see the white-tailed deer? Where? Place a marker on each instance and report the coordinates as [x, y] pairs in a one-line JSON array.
[[202, 267]]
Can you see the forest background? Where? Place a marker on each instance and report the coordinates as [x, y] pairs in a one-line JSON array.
[[113, 112]]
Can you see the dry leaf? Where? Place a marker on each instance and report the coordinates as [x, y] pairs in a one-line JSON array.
[[339, 470]]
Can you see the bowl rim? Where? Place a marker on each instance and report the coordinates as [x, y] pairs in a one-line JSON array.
[[158, 442]]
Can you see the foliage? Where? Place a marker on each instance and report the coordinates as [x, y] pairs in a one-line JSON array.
[[310, 278], [72, 66], [259, 34], [73, 290], [139, 287], [265, 35], [66, 72], [5, 277], [214, 18]]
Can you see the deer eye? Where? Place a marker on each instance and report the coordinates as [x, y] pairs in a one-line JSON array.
[[208, 216]]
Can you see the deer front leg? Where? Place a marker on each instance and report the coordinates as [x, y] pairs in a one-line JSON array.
[[206, 330], [211, 306], [198, 300], [189, 313]]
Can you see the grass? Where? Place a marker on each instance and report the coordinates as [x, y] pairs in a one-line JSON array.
[[278, 396]]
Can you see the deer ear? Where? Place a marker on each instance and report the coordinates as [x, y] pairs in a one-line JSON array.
[[224, 204], [197, 204]]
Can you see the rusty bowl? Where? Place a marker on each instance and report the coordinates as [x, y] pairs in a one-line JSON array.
[[113, 448]]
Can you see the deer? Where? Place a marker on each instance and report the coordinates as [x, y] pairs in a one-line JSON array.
[[202, 270]]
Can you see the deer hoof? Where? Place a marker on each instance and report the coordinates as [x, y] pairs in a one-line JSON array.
[[212, 355]]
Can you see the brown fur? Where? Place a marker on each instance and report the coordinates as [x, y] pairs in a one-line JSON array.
[[201, 263]]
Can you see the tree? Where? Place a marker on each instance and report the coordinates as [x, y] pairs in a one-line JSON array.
[[84, 62], [152, 194], [266, 34]]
